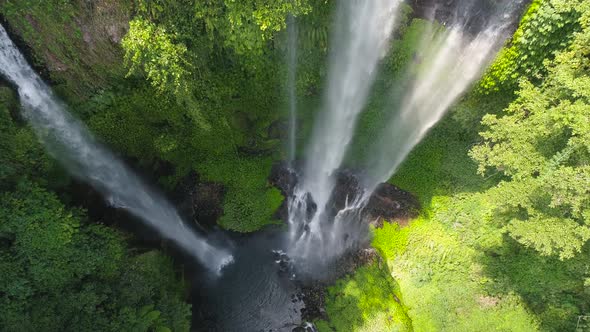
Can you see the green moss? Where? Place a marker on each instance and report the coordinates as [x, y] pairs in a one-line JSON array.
[[442, 282], [390, 240], [421, 171]]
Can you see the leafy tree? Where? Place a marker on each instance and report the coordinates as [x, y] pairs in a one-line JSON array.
[[542, 146], [60, 273], [242, 27], [547, 27], [151, 49], [245, 26]]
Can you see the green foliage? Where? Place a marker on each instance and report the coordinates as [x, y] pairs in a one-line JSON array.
[[405, 47], [541, 145], [150, 49], [546, 27], [390, 240], [442, 282], [146, 125], [368, 300], [234, 96], [245, 26], [250, 203], [212, 69], [312, 48], [553, 289], [61, 273], [439, 164], [132, 120]]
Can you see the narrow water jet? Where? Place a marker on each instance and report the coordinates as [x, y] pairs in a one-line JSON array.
[[70, 142], [361, 33], [292, 85]]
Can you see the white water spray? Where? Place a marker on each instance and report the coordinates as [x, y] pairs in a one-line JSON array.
[[446, 65], [71, 143]]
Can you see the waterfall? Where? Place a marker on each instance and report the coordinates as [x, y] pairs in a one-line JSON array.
[[291, 85], [360, 38], [448, 60], [70, 142]]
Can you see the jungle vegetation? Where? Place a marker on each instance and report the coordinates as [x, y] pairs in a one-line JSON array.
[[189, 87]]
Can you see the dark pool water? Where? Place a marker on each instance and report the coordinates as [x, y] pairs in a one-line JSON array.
[[255, 293]]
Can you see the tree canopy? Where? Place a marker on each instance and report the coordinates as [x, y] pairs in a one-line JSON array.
[[542, 145], [61, 273]]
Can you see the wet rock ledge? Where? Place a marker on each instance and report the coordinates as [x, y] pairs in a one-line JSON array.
[[387, 203]]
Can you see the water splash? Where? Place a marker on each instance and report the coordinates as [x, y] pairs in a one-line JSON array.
[[291, 85], [68, 140]]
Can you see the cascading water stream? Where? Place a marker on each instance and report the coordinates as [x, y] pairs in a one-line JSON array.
[[361, 33], [68, 140], [447, 63]]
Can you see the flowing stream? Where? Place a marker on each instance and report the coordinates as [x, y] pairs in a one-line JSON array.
[[70, 142]]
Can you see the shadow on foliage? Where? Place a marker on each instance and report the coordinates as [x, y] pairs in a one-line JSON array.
[[551, 288], [366, 300]]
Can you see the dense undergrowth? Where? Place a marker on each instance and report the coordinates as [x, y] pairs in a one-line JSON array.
[[62, 271]]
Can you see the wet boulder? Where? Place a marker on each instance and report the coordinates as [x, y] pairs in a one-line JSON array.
[[386, 203], [284, 177], [389, 203]]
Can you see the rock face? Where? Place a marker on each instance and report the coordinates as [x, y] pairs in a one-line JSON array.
[[472, 15], [390, 203], [83, 53], [200, 201], [387, 203], [283, 177]]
